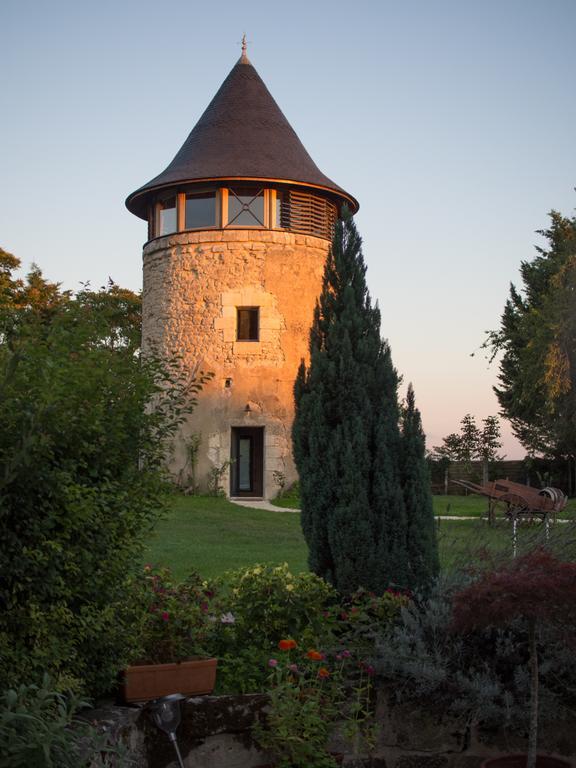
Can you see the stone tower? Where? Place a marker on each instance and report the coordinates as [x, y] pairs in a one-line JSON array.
[[239, 226]]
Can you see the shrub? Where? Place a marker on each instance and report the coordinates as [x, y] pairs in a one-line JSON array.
[[266, 603], [359, 620], [533, 590], [483, 675], [39, 728], [175, 621], [305, 692], [261, 606], [270, 603], [83, 429]]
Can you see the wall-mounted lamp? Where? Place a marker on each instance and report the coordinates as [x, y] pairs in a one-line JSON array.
[[166, 715]]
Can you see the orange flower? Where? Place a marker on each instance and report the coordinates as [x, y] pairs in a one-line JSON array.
[[287, 645], [323, 672], [314, 655]]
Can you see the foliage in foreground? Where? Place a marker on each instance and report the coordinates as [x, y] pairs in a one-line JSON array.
[[481, 676], [83, 427], [347, 441], [251, 610], [39, 728], [534, 589]]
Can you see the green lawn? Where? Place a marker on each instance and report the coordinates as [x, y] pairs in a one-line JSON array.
[[213, 536], [451, 506]]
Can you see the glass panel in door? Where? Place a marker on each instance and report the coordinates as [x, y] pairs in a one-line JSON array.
[[244, 451]]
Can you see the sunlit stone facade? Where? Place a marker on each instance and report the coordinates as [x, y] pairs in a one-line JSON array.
[[239, 227]]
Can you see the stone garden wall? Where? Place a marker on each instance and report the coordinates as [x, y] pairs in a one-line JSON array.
[[216, 733]]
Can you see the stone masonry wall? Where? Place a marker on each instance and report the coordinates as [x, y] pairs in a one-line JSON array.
[[193, 283], [216, 732]]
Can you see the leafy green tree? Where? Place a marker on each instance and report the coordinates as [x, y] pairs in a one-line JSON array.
[[473, 444], [83, 427], [537, 344], [346, 436], [421, 531]]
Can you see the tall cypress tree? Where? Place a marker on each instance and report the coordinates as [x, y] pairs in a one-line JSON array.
[[420, 529], [346, 433]]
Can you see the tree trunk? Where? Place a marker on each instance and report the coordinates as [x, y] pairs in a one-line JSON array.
[[485, 471], [533, 732]]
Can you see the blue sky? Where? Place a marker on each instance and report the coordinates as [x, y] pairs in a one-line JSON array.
[[453, 123]]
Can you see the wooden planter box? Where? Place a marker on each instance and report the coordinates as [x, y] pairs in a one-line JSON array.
[[150, 681]]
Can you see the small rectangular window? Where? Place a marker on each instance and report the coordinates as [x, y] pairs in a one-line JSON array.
[[200, 210], [167, 216], [247, 324]]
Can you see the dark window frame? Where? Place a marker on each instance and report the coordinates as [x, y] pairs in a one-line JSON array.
[[253, 324]]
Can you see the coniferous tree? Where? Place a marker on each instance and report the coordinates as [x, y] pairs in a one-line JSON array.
[[346, 433], [421, 532]]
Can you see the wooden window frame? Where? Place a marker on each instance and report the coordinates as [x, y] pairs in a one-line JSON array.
[[157, 216], [182, 209], [250, 309], [266, 207]]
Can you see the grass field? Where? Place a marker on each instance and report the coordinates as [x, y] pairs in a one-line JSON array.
[[451, 506], [212, 536]]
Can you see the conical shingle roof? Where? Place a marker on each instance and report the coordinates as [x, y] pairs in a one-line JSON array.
[[242, 134]]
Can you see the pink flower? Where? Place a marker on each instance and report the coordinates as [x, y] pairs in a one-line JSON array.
[[346, 654], [368, 668], [293, 668], [165, 616], [272, 662]]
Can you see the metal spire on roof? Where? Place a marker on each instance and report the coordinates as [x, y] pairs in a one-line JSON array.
[[244, 44]]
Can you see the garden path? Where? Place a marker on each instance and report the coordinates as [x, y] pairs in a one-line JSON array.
[[268, 506]]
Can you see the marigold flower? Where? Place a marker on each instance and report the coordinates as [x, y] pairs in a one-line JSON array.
[[323, 672], [314, 655], [287, 645]]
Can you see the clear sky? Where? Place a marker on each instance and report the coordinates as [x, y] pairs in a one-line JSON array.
[[453, 123]]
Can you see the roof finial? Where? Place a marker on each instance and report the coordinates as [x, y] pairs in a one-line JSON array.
[[244, 56]]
